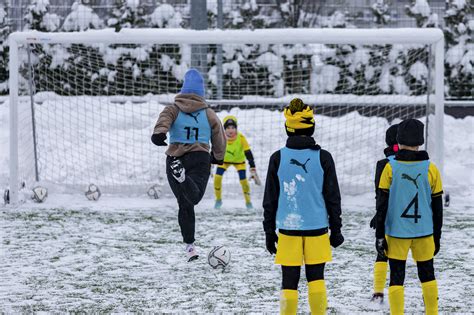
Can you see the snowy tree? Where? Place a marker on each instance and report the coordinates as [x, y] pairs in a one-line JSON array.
[[165, 16], [421, 11], [167, 62], [126, 63], [38, 18], [4, 31], [81, 18], [246, 16], [126, 14], [458, 31], [380, 10], [80, 67], [418, 57]]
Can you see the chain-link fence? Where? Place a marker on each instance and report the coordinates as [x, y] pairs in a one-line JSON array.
[[453, 16]]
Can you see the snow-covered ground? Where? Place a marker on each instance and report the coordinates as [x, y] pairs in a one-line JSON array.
[[125, 254]]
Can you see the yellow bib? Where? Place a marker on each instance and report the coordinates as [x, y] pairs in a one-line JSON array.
[[235, 151]]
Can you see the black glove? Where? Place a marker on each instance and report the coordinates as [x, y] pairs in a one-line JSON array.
[[270, 239], [215, 161], [336, 239], [159, 139], [437, 241], [373, 222], [381, 246]]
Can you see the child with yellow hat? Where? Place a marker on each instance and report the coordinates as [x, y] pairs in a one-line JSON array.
[[237, 151], [302, 200]]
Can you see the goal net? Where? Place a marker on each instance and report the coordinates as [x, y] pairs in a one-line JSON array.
[[84, 104]]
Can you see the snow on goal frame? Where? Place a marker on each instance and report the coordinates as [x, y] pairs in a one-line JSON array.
[[83, 104]]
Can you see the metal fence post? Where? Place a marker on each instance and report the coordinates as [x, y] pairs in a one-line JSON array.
[[199, 22], [219, 72]]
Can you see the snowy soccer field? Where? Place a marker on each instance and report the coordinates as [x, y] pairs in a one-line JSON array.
[[126, 256]]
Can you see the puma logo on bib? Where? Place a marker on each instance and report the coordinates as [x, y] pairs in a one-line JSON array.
[[298, 163], [407, 177], [193, 116]]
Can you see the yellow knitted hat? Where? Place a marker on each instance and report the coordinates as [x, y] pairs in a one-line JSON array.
[[229, 120], [299, 118]]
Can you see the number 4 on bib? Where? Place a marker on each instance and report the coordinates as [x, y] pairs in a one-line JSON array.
[[415, 215]]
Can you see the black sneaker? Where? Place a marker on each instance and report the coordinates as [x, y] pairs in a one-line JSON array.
[[377, 298], [177, 170]]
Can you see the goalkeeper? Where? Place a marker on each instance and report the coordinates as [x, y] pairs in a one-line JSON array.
[[237, 151]]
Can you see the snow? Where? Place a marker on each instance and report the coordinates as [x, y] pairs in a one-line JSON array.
[[325, 80], [81, 18], [419, 71], [338, 19], [272, 62], [133, 4], [51, 22], [460, 4], [467, 61], [123, 254], [471, 24], [3, 14], [165, 15], [40, 6], [421, 7], [455, 54]]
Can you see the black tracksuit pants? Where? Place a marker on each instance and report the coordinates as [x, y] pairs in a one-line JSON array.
[[197, 167]]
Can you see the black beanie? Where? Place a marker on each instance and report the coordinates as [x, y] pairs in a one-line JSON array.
[[391, 135], [410, 132]]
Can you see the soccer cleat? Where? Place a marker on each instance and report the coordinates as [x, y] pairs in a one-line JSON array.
[[177, 170], [218, 204], [377, 298], [191, 252], [249, 205]]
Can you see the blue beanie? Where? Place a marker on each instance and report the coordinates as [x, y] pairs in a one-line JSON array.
[[193, 83]]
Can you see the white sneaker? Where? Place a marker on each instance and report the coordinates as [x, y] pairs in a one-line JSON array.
[[191, 252], [177, 170]]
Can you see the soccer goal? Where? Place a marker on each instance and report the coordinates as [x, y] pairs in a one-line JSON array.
[[83, 104]]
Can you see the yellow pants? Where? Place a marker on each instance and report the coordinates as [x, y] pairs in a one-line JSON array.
[[293, 250], [241, 168], [422, 249]]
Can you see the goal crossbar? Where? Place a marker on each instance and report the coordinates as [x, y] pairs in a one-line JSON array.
[[260, 36]]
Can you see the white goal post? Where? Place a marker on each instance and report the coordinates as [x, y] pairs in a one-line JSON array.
[[126, 157]]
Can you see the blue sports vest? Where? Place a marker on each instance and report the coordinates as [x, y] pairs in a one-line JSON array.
[[191, 128], [391, 158], [409, 205], [301, 204]]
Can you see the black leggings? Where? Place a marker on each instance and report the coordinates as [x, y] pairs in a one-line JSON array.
[[189, 193], [397, 271], [381, 258], [291, 275]]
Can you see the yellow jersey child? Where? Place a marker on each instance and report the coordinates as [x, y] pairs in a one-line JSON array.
[[410, 216], [238, 150]]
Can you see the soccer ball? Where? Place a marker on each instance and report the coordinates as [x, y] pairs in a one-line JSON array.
[[219, 256], [39, 194], [93, 192], [154, 192]]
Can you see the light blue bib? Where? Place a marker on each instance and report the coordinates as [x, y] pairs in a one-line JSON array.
[[191, 128], [301, 204], [409, 205]]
